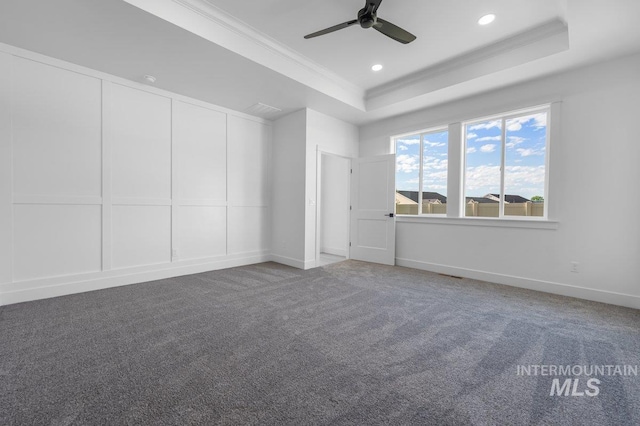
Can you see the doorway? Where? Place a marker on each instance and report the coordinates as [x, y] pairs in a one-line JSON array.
[[333, 209]]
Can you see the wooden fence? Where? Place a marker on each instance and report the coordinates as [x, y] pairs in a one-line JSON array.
[[477, 209]]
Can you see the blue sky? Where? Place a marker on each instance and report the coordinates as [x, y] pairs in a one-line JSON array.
[[435, 162], [525, 158]]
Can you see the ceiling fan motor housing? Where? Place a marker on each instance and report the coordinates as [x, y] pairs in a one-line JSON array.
[[366, 18]]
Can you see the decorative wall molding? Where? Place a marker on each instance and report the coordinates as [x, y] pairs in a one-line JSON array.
[[47, 199], [61, 286], [101, 268], [112, 79]]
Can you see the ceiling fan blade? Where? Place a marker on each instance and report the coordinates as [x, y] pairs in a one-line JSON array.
[[393, 31], [375, 4], [332, 29]]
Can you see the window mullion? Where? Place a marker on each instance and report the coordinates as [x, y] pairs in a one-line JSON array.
[[421, 171], [502, 167]]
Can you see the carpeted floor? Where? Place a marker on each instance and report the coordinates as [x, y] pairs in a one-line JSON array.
[[349, 343]]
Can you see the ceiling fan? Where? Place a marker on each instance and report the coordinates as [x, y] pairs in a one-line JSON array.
[[367, 18]]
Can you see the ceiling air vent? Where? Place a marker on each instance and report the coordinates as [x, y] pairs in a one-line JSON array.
[[262, 110]]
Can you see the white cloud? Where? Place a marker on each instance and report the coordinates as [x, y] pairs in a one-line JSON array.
[[488, 148], [527, 152], [489, 138], [436, 176], [486, 125], [524, 180], [540, 120], [471, 150], [520, 180], [434, 144], [402, 148], [514, 140], [481, 180], [408, 141], [407, 163], [471, 135], [433, 163], [537, 121], [435, 187]]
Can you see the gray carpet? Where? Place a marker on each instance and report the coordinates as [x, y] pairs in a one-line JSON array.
[[349, 343]]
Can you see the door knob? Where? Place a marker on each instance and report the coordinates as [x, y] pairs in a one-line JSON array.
[[390, 215]]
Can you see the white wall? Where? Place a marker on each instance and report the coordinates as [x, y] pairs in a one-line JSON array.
[[326, 134], [289, 145], [594, 160], [297, 139], [108, 182], [334, 207]]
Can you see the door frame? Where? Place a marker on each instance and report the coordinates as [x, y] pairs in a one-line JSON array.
[[319, 153]]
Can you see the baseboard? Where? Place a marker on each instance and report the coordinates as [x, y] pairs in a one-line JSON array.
[[295, 263], [25, 291], [289, 261], [334, 251], [308, 264], [612, 298]]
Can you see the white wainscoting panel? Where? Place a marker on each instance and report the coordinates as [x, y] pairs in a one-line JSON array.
[[56, 131], [202, 232], [140, 131], [200, 152], [141, 235], [52, 240], [248, 229], [248, 147], [106, 182], [6, 172]]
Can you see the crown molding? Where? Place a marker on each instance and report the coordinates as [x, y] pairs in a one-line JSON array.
[[261, 39], [535, 43], [208, 21], [211, 23]]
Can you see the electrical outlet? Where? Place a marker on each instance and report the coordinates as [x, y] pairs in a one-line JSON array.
[[574, 266]]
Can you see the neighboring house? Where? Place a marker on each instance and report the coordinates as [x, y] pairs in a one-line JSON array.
[[427, 197], [401, 199], [434, 197], [481, 200], [411, 197], [507, 198]]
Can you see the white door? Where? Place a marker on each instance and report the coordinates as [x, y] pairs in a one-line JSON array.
[[373, 231]]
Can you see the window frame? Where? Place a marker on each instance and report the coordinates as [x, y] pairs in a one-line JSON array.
[[504, 117], [421, 134]]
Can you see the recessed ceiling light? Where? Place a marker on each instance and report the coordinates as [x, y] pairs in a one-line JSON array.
[[376, 67], [150, 79], [487, 19]]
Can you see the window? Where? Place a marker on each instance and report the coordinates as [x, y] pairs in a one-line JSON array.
[[421, 173], [505, 170]]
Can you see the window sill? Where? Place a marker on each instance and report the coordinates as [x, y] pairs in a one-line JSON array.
[[480, 221]]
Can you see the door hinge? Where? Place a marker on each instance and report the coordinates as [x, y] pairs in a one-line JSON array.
[[350, 207], [351, 171], [349, 243]]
